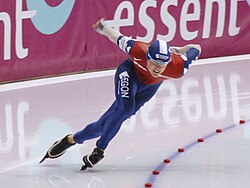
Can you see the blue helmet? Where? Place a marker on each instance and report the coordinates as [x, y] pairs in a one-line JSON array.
[[159, 52]]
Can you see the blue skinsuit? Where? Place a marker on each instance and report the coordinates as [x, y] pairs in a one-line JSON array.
[[130, 94], [133, 87]]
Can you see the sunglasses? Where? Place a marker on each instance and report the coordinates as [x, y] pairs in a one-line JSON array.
[[158, 62]]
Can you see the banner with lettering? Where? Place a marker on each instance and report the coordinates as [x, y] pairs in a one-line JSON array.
[[44, 38]]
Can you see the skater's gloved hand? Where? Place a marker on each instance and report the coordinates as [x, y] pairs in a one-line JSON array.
[[99, 25]]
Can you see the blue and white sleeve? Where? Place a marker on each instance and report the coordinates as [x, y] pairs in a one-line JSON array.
[[125, 43], [191, 55]]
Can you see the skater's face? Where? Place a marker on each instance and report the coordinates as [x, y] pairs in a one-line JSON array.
[[155, 69]]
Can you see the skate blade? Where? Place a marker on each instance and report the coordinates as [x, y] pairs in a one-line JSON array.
[[45, 157], [84, 167]]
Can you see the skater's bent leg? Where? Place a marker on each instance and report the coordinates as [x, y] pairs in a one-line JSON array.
[[89, 132], [124, 106], [126, 89], [93, 130], [113, 125]]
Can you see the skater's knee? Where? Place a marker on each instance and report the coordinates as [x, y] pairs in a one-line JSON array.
[[127, 109]]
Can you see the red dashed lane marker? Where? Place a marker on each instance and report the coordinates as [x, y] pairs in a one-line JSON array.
[[242, 121], [180, 150], [156, 172], [148, 184], [219, 130], [200, 140], [152, 178], [166, 161]]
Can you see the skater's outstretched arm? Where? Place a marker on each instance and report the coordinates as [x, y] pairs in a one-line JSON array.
[[107, 31]]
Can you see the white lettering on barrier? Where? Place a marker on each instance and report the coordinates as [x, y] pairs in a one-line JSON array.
[[5, 18], [20, 16], [208, 18], [117, 22], [233, 29], [168, 20], [145, 20], [21, 52], [185, 17]]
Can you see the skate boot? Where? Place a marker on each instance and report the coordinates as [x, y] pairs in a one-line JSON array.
[[58, 149], [92, 159]]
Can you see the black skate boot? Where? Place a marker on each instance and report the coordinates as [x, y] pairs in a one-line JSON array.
[[92, 159], [58, 149]]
